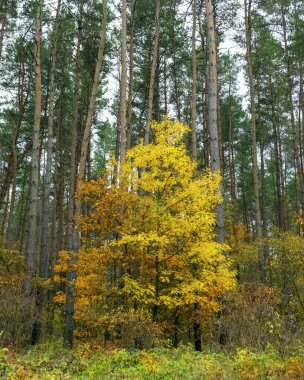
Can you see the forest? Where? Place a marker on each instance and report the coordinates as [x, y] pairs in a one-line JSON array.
[[152, 189]]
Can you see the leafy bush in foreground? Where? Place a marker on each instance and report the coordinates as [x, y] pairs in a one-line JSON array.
[[85, 362]]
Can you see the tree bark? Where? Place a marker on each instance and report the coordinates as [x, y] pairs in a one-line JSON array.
[[70, 213], [14, 160], [194, 84], [255, 169], [152, 72], [278, 174], [232, 165], [213, 116], [205, 89], [2, 30], [131, 68], [71, 271], [35, 156], [123, 84], [44, 243], [4, 215], [292, 113]]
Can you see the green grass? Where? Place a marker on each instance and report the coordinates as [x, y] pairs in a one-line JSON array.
[[50, 361]]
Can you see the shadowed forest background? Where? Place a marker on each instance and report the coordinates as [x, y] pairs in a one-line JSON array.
[[152, 188]]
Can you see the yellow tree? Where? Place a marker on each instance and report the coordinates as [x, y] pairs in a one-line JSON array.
[[149, 243]]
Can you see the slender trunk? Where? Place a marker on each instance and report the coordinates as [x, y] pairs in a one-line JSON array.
[[232, 165], [2, 30], [60, 201], [44, 243], [165, 86], [157, 283], [205, 89], [219, 121], [283, 182], [7, 177], [212, 116], [175, 72], [9, 231], [4, 215], [206, 122], [301, 99], [244, 204], [123, 84], [278, 174], [23, 215], [13, 162], [35, 156], [194, 84], [48, 172], [21, 102], [197, 337], [297, 37], [71, 271], [157, 94], [152, 72], [263, 183], [131, 68], [70, 212], [292, 113], [58, 153], [53, 246], [176, 89], [258, 219]]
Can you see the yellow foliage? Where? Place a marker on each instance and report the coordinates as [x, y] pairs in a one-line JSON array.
[[148, 240]]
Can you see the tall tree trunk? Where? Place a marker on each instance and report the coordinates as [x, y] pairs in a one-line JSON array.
[[123, 84], [2, 30], [206, 121], [301, 98], [61, 191], [283, 181], [205, 89], [21, 103], [152, 72], [277, 164], [4, 215], [194, 84], [70, 213], [278, 174], [71, 271], [292, 113], [300, 55], [258, 219], [212, 116], [53, 241], [44, 243], [165, 86], [157, 93], [23, 214], [176, 86], [174, 66], [219, 121], [131, 68], [35, 156], [263, 183], [232, 165], [9, 231]]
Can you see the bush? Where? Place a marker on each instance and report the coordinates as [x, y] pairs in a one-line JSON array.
[[50, 361], [14, 321]]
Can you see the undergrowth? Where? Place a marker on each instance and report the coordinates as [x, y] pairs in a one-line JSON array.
[[87, 361]]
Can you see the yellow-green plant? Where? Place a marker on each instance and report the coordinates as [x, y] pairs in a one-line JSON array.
[[148, 238]]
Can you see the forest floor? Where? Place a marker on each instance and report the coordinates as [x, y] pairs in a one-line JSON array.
[[50, 361]]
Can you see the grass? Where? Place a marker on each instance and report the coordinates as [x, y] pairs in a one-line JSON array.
[[50, 361]]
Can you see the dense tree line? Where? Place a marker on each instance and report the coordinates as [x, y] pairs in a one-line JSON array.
[[81, 82]]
